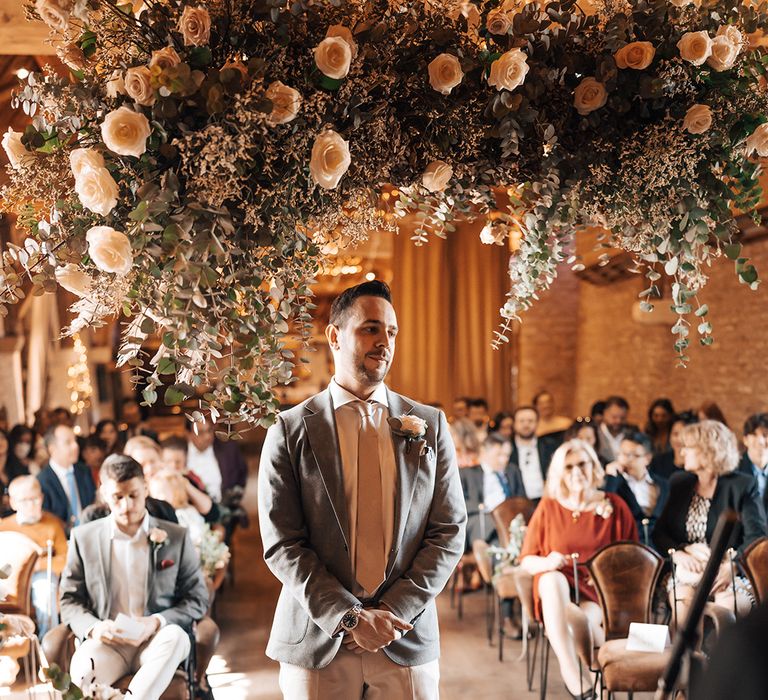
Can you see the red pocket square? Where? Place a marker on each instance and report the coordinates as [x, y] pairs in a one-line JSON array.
[[165, 564]]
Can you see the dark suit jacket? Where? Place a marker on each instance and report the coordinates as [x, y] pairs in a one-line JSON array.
[[234, 468], [745, 467], [546, 448], [618, 485], [663, 465], [56, 500], [734, 490]]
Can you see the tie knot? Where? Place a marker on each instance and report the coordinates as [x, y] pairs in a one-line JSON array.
[[365, 408]]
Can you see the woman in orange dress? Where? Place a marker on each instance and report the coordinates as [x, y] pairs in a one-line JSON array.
[[574, 517]]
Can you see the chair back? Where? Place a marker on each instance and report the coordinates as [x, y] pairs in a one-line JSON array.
[[754, 561], [484, 565], [21, 553], [625, 576], [506, 512]]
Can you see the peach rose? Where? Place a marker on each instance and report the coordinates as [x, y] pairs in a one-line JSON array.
[[499, 21], [724, 53], [509, 71], [164, 58], [695, 47], [81, 158], [74, 280], [590, 95], [138, 85], [125, 132], [110, 250], [333, 57], [342, 32], [195, 26], [638, 55], [732, 33], [286, 103], [15, 150], [55, 13], [97, 189], [72, 56], [758, 141], [698, 119], [330, 159], [437, 175], [445, 73]]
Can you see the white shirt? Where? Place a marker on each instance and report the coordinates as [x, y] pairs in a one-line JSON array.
[[493, 492], [205, 465], [347, 416], [530, 468], [61, 474], [645, 491], [609, 444], [191, 519], [129, 569]]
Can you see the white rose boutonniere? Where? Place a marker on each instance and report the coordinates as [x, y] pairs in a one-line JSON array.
[[157, 536], [412, 428]]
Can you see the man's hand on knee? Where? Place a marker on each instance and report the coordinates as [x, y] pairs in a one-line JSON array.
[[376, 629]]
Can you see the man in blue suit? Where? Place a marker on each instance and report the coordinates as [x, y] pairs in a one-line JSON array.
[[67, 486]]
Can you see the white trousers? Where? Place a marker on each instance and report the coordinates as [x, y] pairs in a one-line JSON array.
[[353, 676], [154, 662]]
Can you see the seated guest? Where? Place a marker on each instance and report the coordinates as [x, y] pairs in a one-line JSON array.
[[465, 440], [628, 477], [574, 517], [755, 460], [219, 464], [612, 427], [67, 485], [583, 428], [550, 424], [478, 413], [709, 410], [503, 424], [171, 487], [132, 564], [460, 409], [93, 452], [671, 461], [62, 416], [530, 455], [21, 444], [107, 430], [698, 495], [661, 415], [40, 527], [133, 423], [174, 458], [10, 468], [146, 452], [596, 413]]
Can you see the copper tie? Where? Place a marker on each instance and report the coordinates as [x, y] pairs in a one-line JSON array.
[[370, 558]]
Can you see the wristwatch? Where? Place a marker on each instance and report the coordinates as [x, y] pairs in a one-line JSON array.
[[351, 618]]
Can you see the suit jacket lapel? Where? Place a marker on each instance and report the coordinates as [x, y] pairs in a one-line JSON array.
[[324, 442], [152, 567], [407, 470], [105, 561]]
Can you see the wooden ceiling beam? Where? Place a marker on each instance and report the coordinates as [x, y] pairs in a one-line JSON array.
[[18, 37]]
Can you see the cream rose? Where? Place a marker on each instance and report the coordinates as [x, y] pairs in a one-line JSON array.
[[125, 132], [138, 85], [732, 33], [342, 32], [685, 3], [82, 158], [413, 425], [437, 175], [14, 148], [724, 53], [286, 103], [333, 57], [164, 58], [115, 85], [330, 159], [590, 95], [758, 141], [72, 55], [73, 279], [97, 190], [509, 71], [638, 55], [445, 73], [110, 250], [55, 13], [698, 119], [695, 47], [195, 26], [499, 21]]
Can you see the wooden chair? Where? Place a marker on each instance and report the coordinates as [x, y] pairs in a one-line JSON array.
[[506, 512], [21, 553], [754, 561]]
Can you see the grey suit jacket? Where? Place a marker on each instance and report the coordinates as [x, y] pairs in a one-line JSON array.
[[304, 527], [178, 591]]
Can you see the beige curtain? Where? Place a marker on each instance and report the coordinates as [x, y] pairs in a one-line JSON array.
[[447, 296]]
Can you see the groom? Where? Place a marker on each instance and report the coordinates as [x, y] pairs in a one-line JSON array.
[[362, 518]]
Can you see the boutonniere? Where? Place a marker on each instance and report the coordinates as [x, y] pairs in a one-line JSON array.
[[165, 564], [412, 428], [157, 538], [604, 509]]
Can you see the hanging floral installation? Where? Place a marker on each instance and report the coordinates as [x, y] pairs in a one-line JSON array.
[[202, 156]]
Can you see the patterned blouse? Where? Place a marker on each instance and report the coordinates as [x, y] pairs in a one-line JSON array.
[[696, 522]]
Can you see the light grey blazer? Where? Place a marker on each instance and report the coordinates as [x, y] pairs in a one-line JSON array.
[[178, 591], [305, 531]]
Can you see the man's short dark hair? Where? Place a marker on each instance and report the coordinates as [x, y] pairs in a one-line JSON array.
[[525, 408], [495, 440], [343, 303], [120, 468], [686, 418], [619, 401], [175, 442], [755, 422], [479, 402], [50, 435], [639, 439], [94, 441], [598, 408]]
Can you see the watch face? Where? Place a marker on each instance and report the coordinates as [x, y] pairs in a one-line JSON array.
[[349, 621]]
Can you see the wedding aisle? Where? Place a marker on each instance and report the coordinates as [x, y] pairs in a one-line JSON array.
[[241, 671]]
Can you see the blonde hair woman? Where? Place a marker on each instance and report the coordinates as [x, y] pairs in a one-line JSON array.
[[146, 452], [464, 434], [574, 517], [707, 486]]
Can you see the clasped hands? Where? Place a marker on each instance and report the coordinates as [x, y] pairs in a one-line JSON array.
[[108, 632], [376, 628], [694, 558]]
